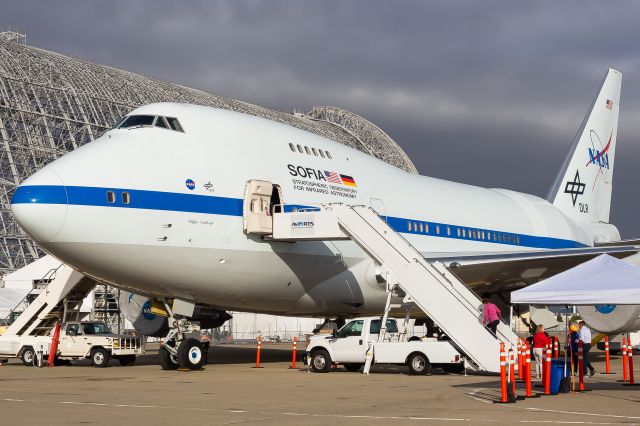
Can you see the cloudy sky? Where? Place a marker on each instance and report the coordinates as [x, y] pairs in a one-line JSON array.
[[483, 92]]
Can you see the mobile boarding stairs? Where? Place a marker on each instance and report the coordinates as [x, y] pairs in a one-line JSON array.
[[59, 301], [429, 284]]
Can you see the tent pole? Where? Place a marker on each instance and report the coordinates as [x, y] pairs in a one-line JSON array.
[[511, 326]]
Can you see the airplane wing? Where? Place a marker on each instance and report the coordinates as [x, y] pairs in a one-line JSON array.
[[501, 273]]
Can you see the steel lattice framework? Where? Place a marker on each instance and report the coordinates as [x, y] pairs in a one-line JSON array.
[[52, 103]]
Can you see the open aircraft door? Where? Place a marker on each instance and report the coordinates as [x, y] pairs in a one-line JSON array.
[[378, 205], [260, 199]]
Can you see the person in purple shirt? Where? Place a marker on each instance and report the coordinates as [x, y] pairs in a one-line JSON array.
[[491, 315]]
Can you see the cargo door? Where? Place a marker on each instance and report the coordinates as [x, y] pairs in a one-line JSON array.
[[261, 199]]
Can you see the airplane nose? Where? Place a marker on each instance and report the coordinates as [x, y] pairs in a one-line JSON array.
[[39, 205]]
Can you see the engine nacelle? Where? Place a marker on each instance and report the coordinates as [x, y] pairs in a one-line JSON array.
[[137, 309], [611, 319]]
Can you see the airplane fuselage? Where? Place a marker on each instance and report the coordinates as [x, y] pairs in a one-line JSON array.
[[160, 212]]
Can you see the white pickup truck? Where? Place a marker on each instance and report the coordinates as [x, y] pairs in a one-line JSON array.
[[78, 340], [349, 346]]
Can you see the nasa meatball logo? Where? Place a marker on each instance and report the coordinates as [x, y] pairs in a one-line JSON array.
[[605, 309], [191, 185], [146, 311]]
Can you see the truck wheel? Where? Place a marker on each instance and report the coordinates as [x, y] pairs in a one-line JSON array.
[[28, 356], [352, 367], [419, 365], [191, 356], [100, 357], [126, 360], [167, 360], [320, 361]]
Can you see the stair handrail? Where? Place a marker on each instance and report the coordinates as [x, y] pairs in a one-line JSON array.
[[46, 279]]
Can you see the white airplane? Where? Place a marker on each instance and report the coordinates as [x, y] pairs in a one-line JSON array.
[[174, 200]]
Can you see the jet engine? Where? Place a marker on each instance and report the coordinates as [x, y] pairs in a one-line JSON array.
[[611, 319], [138, 310]]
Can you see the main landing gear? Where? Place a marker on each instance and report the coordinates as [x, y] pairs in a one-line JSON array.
[[180, 350]]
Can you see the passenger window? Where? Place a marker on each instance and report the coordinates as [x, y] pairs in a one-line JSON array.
[[161, 123], [293, 148], [111, 197], [299, 149], [438, 229], [328, 155], [175, 124], [421, 228], [408, 226], [315, 152], [126, 198], [426, 228], [306, 148], [448, 230], [321, 153], [354, 328]]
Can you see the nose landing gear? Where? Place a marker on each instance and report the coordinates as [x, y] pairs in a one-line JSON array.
[[179, 351]]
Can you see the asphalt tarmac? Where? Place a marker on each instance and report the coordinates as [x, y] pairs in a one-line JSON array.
[[230, 391]]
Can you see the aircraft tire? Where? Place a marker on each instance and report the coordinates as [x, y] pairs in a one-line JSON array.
[[419, 365], [100, 357], [191, 355], [28, 356], [166, 361], [320, 361]]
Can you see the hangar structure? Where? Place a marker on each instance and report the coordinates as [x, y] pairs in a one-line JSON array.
[[51, 104]]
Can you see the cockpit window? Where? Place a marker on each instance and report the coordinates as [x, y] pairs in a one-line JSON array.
[[161, 123], [132, 121], [136, 121], [175, 124]]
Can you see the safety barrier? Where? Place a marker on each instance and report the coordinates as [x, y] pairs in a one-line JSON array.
[[54, 345], [556, 351], [607, 357], [293, 354], [505, 398], [547, 377], [258, 353], [625, 371], [520, 354], [630, 357], [580, 368]]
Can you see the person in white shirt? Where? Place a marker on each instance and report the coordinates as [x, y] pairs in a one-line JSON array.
[[585, 337]]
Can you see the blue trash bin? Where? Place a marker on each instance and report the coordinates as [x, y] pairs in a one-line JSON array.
[[558, 372]]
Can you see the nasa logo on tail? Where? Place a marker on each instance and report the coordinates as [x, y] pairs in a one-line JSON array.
[[599, 157]]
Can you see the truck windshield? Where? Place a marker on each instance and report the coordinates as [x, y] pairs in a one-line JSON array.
[[95, 328]]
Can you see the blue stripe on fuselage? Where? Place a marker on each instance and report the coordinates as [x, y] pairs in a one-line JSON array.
[[209, 204]]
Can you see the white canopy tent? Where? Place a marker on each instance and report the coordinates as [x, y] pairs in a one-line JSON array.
[[603, 280]]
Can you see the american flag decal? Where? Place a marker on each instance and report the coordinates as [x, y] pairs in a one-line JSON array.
[[609, 104], [332, 177]]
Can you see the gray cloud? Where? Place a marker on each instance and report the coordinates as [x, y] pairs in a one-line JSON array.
[[489, 92]]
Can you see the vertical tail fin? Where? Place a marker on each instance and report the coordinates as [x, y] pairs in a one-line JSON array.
[[582, 190]]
